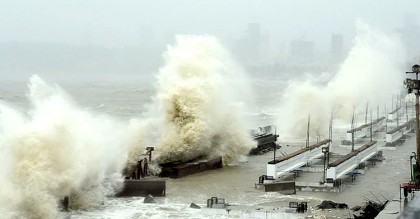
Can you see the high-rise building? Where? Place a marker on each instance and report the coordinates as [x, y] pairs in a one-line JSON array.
[[302, 51], [253, 48], [252, 43], [337, 48]]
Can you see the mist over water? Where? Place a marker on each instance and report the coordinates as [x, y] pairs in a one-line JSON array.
[[371, 73], [199, 107], [56, 149]]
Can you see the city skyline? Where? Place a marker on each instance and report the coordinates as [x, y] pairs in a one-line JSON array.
[[131, 36], [126, 23]]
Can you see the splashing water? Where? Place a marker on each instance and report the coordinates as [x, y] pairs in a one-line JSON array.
[[371, 73], [56, 150], [199, 107]]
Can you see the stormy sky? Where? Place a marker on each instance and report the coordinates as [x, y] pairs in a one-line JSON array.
[[129, 36], [127, 22]]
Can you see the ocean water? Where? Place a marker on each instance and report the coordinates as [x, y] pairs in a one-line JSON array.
[[74, 136], [235, 183]]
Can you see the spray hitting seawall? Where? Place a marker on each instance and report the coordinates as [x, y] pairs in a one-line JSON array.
[[372, 72], [301, 101], [57, 150], [200, 103]]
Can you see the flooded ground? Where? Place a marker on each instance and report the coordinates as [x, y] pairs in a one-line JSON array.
[[379, 182]]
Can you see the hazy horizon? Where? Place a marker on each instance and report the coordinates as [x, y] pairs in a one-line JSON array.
[[128, 22], [129, 37]]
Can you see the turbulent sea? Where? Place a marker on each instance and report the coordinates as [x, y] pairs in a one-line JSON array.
[[75, 136], [235, 183]]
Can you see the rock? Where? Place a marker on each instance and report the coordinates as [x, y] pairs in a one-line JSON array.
[[370, 210], [331, 204], [65, 203], [193, 205], [342, 205], [356, 208], [149, 199]]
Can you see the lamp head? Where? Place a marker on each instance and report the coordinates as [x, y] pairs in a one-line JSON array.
[[416, 68]]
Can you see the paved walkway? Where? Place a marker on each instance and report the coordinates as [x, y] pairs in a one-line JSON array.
[[402, 209]]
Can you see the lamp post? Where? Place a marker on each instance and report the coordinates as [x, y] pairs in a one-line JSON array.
[[326, 151], [414, 85], [149, 152]]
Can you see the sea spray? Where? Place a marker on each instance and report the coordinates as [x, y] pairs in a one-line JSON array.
[[300, 98], [371, 73], [9, 198], [199, 107], [55, 150]]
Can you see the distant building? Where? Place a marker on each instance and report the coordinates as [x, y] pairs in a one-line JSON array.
[[253, 43], [253, 49], [337, 48], [302, 51], [253, 32]]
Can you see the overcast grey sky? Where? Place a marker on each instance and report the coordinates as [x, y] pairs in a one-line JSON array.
[[124, 22]]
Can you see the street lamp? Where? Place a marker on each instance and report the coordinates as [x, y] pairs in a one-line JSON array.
[[415, 69], [326, 151], [149, 152], [414, 85]]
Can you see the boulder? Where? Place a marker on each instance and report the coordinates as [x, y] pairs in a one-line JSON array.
[[193, 205], [331, 204], [149, 199]]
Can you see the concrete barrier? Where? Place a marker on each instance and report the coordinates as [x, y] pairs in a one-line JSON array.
[[143, 187], [286, 187]]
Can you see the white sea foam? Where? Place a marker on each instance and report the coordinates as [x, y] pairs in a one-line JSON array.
[[55, 150], [199, 106], [372, 72]]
